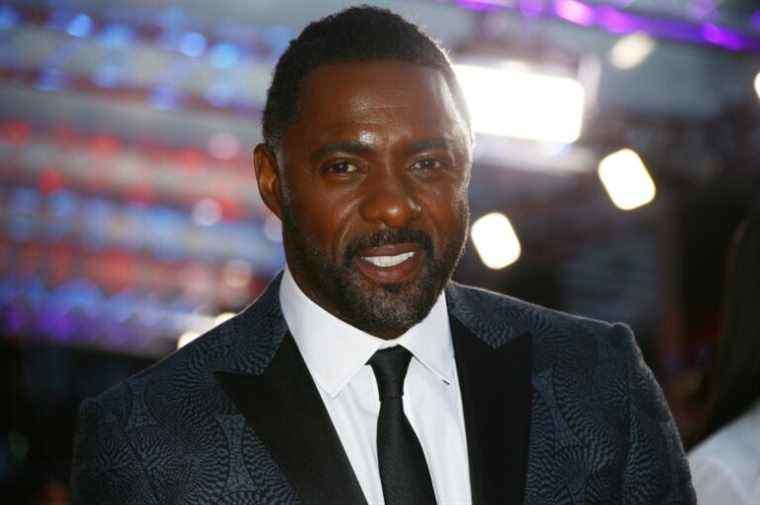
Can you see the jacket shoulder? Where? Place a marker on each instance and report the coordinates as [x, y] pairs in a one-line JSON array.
[[160, 430], [132, 438], [497, 318], [245, 343]]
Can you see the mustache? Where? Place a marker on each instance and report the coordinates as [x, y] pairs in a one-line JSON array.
[[387, 237]]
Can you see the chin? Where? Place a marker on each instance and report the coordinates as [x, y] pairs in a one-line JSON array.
[[383, 308]]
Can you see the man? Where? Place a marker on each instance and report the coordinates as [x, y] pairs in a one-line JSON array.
[[362, 374]]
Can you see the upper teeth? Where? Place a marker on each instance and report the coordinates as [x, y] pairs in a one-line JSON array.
[[388, 261]]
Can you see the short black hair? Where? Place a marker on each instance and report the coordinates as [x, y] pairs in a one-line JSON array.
[[361, 33]]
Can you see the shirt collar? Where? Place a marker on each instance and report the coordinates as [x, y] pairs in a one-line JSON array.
[[315, 330]]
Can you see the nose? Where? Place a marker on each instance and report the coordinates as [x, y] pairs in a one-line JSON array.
[[389, 201]]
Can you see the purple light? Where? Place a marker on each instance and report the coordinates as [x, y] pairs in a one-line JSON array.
[[722, 37], [531, 8], [615, 21], [702, 8], [575, 12], [57, 324], [15, 317], [676, 30], [482, 5], [755, 20]]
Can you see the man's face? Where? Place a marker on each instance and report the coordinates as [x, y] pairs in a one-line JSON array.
[[372, 191]]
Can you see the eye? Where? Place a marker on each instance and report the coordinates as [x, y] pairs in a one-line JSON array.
[[427, 164], [340, 168]]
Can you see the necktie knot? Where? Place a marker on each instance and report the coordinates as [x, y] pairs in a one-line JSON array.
[[390, 366]]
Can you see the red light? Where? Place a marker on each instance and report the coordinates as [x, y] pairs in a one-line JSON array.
[[15, 132], [50, 181], [104, 145], [141, 193]]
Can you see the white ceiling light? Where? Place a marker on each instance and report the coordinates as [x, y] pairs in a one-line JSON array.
[[186, 338], [514, 102], [757, 84], [202, 327], [495, 240], [631, 51], [224, 316], [626, 180]]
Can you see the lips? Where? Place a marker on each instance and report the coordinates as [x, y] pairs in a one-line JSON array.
[[390, 264]]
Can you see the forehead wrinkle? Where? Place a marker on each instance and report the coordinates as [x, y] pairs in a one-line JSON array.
[[373, 117], [411, 140], [345, 102]]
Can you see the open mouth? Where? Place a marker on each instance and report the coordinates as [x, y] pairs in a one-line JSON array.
[[391, 264], [388, 261]]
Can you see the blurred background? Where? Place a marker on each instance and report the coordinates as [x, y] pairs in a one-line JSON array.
[[617, 151]]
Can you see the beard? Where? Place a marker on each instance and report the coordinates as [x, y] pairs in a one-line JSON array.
[[377, 309]]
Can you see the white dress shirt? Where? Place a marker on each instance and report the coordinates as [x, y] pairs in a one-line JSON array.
[[725, 468], [336, 355]]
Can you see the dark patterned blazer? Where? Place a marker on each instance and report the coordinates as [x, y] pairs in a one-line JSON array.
[[558, 410]]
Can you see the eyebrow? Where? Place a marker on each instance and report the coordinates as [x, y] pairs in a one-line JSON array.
[[429, 144], [348, 146], [357, 147]]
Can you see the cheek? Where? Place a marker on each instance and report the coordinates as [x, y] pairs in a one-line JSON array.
[[445, 194], [447, 211], [324, 217]]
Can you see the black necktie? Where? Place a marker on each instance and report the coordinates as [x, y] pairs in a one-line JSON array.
[[403, 471]]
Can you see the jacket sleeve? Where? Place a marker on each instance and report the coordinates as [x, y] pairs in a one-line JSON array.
[[656, 471], [105, 468]]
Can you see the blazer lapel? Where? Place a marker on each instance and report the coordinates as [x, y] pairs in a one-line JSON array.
[[282, 405], [496, 397]]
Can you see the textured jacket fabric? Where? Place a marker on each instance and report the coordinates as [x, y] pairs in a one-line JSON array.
[[233, 417]]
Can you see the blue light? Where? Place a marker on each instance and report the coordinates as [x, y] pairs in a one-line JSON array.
[[80, 26], [122, 305], [25, 210], [63, 210], [25, 201], [192, 44], [135, 216], [107, 76], [165, 224], [164, 98], [220, 94], [224, 55], [79, 293], [116, 36], [96, 223], [172, 17], [8, 17], [10, 290], [35, 292], [51, 79]]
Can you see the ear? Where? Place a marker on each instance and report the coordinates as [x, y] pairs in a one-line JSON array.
[[268, 178]]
